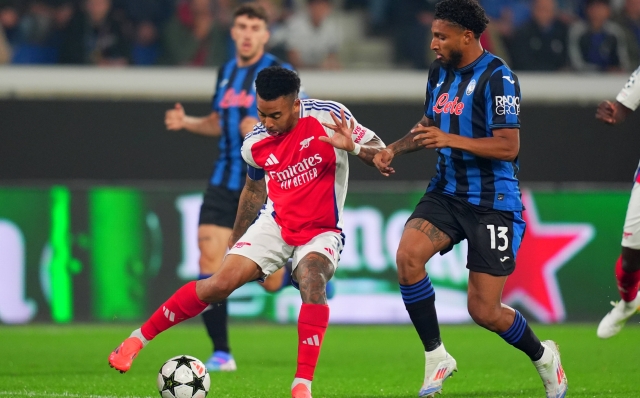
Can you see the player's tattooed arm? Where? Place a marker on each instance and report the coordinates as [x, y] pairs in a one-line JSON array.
[[252, 198], [312, 273], [382, 160], [406, 143]]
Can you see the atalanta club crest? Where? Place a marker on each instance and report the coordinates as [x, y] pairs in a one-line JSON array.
[[471, 87]]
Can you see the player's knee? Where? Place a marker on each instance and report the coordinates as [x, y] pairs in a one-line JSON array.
[[405, 258], [205, 263], [408, 265], [209, 264], [314, 290], [630, 260], [215, 289], [486, 316], [272, 285]]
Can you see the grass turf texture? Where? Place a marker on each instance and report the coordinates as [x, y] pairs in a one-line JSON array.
[[356, 361]]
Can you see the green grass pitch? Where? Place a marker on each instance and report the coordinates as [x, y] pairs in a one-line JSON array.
[[356, 361]]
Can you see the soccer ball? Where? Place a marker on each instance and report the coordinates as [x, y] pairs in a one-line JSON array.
[[183, 377]]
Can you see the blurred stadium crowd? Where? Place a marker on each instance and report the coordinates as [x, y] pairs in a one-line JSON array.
[[532, 35]]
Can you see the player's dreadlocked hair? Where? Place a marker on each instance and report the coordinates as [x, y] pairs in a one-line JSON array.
[[275, 82], [466, 13]]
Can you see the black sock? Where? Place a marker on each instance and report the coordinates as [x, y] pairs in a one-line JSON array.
[[215, 319], [522, 337], [419, 300]]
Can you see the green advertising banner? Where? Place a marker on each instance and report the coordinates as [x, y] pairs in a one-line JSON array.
[[103, 253]]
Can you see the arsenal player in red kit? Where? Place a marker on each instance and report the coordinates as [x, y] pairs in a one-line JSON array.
[[297, 160]]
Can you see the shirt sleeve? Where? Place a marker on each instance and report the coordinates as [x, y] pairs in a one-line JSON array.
[[502, 97], [254, 173], [361, 134], [431, 84], [215, 101], [428, 108], [247, 145], [629, 96]]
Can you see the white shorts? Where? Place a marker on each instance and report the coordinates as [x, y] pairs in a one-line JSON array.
[[631, 230], [263, 244]]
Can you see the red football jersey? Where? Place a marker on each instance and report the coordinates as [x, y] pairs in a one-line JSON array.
[[306, 178]]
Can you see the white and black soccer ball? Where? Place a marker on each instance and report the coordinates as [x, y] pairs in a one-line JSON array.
[[183, 377]]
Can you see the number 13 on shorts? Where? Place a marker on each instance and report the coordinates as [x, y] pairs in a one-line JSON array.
[[502, 238]]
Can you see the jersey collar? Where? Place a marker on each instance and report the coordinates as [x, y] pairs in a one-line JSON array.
[[473, 64]]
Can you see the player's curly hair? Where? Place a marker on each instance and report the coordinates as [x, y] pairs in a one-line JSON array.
[[466, 13], [275, 82]]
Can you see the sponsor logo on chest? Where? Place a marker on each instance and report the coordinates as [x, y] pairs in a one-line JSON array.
[[443, 105], [298, 174], [233, 99]]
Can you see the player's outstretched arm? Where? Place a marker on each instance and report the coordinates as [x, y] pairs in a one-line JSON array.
[[612, 112], [382, 160], [175, 119], [369, 150], [343, 139], [252, 198]]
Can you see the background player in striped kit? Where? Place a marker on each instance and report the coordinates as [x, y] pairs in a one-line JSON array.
[[627, 269], [298, 161], [233, 115], [471, 118]]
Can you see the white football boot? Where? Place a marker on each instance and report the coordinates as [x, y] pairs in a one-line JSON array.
[[551, 372], [439, 365], [613, 322]]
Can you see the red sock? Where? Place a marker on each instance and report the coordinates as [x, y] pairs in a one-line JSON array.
[[628, 282], [184, 304], [312, 323]]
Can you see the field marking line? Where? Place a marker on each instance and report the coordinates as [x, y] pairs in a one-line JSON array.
[[26, 393]]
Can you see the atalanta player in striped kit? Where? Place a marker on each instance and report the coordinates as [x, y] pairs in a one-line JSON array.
[[471, 119], [232, 116], [627, 269], [297, 160]]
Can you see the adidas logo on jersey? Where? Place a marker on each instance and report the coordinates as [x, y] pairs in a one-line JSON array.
[[168, 314], [315, 341], [271, 160]]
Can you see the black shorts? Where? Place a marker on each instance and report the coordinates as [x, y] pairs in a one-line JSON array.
[[219, 206], [494, 236]]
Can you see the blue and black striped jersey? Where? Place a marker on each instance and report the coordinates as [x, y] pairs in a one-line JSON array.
[[235, 98], [472, 102]]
